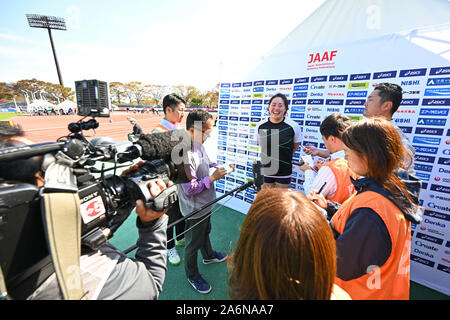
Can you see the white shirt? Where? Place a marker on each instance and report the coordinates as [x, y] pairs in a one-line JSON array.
[[315, 182]]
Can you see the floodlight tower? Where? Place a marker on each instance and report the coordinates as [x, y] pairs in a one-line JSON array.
[[49, 23]]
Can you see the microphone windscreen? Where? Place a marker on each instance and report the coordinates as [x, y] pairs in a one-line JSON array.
[[169, 145]]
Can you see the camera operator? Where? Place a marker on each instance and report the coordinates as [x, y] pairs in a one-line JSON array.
[[107, 273]]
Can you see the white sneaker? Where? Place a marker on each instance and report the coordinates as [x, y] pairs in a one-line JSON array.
[[173, 256]]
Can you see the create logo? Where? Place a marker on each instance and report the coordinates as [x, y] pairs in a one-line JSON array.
[[327, 56]]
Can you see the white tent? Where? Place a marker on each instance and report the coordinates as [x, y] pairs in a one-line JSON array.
[[330, 63], [368, 31]]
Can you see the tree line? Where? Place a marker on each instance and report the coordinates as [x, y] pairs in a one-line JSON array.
[[151, 94], [133, 92]]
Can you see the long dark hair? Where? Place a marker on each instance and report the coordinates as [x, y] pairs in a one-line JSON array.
[[286, 250], [378, 140]]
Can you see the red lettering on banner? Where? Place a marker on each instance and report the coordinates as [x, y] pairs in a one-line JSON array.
[[323, 60]]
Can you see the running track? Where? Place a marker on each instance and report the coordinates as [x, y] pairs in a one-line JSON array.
[[50, 128]]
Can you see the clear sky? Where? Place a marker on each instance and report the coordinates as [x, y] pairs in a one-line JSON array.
[[166, 42]]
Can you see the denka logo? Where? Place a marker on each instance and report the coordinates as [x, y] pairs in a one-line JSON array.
[[385, 74], [327, 56], [439, 71], [413, 72]]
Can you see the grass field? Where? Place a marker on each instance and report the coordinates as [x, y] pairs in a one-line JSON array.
[[7, 115]]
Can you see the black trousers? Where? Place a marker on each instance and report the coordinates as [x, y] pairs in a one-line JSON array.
[[174, 214]]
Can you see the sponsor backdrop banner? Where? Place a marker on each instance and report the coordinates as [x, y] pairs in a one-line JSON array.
[[322, 87]]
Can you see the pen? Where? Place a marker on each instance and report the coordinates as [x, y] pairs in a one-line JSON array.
[[321, 188]]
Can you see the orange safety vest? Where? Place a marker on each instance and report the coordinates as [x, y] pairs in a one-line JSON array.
[[342, 173], [391, 280], [160, 128]]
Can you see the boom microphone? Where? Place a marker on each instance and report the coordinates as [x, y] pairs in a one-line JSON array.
[[169, 145]]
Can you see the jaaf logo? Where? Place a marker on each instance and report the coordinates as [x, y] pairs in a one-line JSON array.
[[327, 56]]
